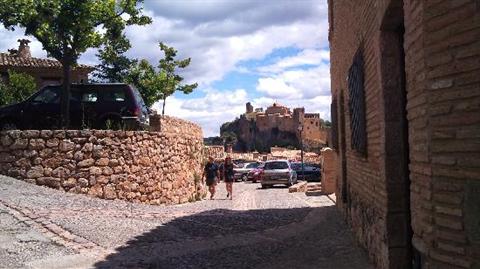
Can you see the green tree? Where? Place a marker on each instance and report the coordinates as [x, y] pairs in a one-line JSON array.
[[67, 28], [166, 81], [156, 84], [229, 137], [19, 87], [139, 75], [114, 65]]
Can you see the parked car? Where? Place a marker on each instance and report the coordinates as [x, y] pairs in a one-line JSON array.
[[254, 175], [241, 171], [278, 172], [98, 106], [312, 173]]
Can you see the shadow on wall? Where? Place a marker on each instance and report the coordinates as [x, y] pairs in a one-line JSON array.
[[244, 239]]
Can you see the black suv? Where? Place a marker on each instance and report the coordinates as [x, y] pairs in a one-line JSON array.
[[92, 106]]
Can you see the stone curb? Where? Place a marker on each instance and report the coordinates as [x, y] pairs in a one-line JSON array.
[[299, 187], [53, 231]]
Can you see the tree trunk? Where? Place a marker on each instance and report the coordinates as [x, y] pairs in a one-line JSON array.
[[163, 108], [65, 96]]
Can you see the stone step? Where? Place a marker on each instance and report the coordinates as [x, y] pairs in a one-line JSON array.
[[301, 186]]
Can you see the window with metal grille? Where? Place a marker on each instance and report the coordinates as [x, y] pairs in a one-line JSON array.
[[333, 113], [357, 104]]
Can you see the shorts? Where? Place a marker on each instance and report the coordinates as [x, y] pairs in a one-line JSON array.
[[211, 181], [229, 179]]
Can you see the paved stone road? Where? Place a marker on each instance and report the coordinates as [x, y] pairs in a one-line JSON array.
[[45, 228]]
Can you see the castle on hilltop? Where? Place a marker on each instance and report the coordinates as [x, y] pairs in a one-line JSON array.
[[257, 129]]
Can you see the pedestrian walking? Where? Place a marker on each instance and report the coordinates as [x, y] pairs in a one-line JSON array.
[[210, 173], [228, 176]]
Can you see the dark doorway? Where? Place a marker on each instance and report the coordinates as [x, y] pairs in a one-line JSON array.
[[392, 66], [343, 153]]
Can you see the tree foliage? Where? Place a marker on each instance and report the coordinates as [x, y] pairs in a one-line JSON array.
[[114, 65], [230, 138], [325, 123], [19, 88], [165, 82], [138, 76], [159, 83], [67, 28]]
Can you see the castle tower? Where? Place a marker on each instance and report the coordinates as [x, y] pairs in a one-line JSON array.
[[298, 115], [249, 107]]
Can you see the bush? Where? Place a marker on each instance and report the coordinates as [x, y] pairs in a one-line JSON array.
[[19, 88]]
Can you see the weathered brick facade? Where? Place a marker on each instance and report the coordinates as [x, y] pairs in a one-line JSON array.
[[414, 194]]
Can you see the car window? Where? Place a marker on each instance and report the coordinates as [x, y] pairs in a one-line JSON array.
[[48, 96], [296, 166], [89, 97], [276, 165], [252, 165], [138, 96], [115, 95]]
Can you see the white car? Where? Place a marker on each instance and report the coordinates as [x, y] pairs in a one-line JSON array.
[[278, 172]]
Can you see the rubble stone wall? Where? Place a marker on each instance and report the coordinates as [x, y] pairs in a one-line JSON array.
[[147, 167]]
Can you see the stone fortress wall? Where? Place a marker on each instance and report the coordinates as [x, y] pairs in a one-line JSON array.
[[157, 167], [278, 125]]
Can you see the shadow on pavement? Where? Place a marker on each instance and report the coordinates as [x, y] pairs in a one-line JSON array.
[[243, 239]]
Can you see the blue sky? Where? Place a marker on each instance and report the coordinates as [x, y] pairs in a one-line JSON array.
[[242, 51]]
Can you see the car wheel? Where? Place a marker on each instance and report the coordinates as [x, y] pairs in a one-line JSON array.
[[244, 178], [264, 186]]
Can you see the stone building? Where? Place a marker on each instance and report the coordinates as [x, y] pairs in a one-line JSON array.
[[45, 71], [406, 115], [277, 126]]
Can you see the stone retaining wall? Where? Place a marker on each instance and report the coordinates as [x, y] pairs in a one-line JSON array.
[[148, 167]]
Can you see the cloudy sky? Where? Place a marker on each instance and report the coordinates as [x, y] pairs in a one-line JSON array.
[[241, 50]]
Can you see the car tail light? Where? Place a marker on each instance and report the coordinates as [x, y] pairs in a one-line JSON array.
[[136, 111]]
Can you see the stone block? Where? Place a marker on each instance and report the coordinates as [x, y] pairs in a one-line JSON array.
[[35, 172], [86, 163], [102, 162], [66, 145], [109, 192], [83, 182], [21, 143], [37, 144], [69, 183]]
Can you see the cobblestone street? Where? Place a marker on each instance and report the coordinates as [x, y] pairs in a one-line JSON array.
[[45, 228]]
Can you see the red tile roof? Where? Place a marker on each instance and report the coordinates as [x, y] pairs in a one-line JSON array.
[[14, 61]]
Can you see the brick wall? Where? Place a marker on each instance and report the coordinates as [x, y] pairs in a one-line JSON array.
[[355, 26], [443, 71], [146, 167], [442, 83]]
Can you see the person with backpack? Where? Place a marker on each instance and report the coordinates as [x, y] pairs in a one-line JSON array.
[[211, 174]]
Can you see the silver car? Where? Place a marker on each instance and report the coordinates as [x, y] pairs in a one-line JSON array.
[[278, 172], [242, 170]]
